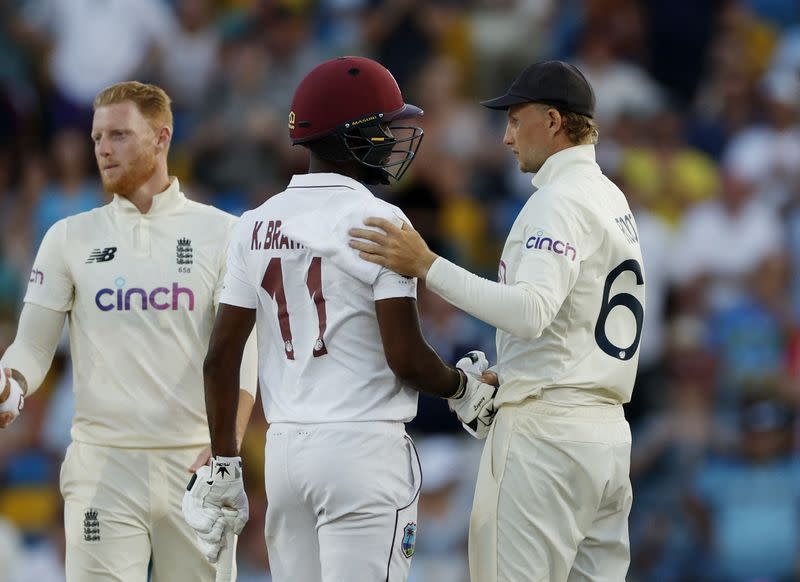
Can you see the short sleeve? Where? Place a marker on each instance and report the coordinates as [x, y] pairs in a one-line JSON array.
[[236, 288], [390, 285], [50, 284]]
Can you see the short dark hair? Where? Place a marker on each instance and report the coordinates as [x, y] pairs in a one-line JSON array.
[[330, 148], [333, 149]]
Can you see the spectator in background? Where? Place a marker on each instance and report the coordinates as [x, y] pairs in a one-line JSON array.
[[18, 219], [720, 241], [677, 60], [620, 86], [751, 335], [745, 506], [10, 278], [71, 189], [666, 173], [680, 430], [395, 33], [239, 147], [286, 33], [768, 153], [725, 100], [10, 552], [340, 26], [188, 67], [91, 45], [456, 158], [19, 99]]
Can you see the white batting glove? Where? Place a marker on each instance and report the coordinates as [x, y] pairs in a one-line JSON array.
[[474, 401], [474, 363], [210, 490], [13, 398]]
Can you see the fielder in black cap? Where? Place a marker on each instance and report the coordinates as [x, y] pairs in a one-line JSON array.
[[568, 307], [550, 107], [553, 83]]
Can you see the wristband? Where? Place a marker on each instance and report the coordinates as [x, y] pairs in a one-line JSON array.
[[462, 385]]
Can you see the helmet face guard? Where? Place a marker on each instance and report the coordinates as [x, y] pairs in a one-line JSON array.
[[390, 149], [357, 100]]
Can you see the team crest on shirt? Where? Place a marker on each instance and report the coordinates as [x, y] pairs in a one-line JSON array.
[[409, 539], [184, 255]]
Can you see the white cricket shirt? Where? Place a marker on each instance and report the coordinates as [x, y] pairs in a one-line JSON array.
[[569, 305], [140, 291], [320, 353]]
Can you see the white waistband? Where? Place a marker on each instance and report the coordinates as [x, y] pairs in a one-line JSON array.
[[372, 426]]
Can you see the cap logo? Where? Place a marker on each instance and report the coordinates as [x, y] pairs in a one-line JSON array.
[[291, 119]]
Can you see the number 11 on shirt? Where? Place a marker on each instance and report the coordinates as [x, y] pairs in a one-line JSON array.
[[272, 283]]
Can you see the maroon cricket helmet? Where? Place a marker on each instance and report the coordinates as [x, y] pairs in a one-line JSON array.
[[356, 99]]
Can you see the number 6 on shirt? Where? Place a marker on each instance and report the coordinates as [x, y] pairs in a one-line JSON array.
[[272, 283]]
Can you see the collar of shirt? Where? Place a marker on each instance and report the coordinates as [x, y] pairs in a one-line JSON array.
[[563, 162], [325, 180], [163, 203]]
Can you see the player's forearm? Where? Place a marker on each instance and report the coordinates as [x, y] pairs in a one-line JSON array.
[[221, 382], [32, 351], [246, 402], [432, 376], [515, 309]]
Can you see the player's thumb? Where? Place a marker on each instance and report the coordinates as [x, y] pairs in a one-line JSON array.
[[490, 378], [203, 458]]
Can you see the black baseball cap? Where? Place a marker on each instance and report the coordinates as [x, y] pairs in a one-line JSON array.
[[555, 83]]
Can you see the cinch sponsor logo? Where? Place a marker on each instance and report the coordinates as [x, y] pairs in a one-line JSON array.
[[160, 298], [559, 247]]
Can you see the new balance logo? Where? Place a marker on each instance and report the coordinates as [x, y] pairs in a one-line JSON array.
[[91, 526], [102, 255]]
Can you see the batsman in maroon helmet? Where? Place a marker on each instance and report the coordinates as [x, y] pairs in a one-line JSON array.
[[341, 355]]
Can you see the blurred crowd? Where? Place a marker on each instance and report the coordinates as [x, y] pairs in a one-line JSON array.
[[698, 103]]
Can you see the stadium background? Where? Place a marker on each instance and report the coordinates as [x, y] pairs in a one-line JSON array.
[[698, 104]]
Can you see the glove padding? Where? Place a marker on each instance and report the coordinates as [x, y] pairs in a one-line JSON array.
[[474, 363], [475, 408], [211, 490]]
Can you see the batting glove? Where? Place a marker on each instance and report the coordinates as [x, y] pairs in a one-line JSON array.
[[473, 402], [209, 491]]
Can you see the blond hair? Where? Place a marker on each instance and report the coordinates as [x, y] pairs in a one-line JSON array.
[[580, 129], [151, 101]]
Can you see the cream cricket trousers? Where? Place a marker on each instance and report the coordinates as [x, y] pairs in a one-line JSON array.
[[342, 501], [553, 496], [123, 505]]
